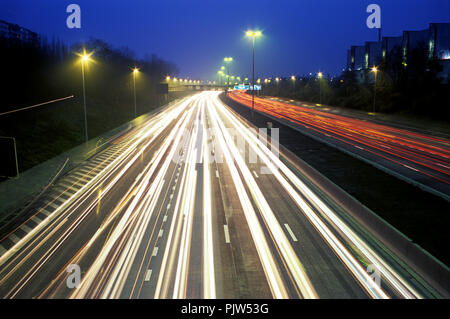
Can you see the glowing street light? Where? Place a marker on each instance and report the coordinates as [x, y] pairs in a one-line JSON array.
[[253, 34], [135, 72], [375, 71], [320, 75], [228, 60], [84, 59]]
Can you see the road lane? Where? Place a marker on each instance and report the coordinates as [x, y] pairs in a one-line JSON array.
[[184, 211], [421, 159]]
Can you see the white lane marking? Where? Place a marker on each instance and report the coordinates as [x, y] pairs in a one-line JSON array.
[[171, 196], [358, 147], [411, 168], [217, 174], [155, 251], [168, 206], [161, 233], [2, 250], [227, 234], [173, 188], [14, 238], [290, 232], [148, 275], [256, 175], [165, 218], [25, 228]]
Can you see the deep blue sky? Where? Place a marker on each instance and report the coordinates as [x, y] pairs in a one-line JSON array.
[[300, 36]]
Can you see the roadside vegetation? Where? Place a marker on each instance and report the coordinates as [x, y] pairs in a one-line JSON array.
[[414, 89], [38, 71]]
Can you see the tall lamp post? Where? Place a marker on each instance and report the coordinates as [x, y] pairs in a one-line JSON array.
[[320, 75], [277, 80], [135, 72], [253, 35], [84, 60], [375, 71], [228, 60]]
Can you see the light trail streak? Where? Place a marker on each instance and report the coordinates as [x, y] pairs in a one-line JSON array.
[[209, 281], [381, 141], [75, 201], [267, 259], [138, 207], [295, 267], [114, 249], [275, 165]]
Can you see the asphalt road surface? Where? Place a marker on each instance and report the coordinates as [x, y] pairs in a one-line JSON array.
[[196, 204]]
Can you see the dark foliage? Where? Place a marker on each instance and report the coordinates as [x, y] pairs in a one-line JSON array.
[[414, 88], [41, 70]]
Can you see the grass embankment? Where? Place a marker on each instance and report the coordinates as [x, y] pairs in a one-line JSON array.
[[46, 132]]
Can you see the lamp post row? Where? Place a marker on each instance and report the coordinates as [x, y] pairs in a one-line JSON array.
[[85, 58]]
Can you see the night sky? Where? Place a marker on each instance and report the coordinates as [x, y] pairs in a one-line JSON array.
[[300, 36]]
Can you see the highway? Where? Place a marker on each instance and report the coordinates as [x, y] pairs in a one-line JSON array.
[[422, 159], [194, 203]]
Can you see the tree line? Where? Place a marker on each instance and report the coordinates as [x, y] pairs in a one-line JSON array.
[[414, 87], [42, 70]]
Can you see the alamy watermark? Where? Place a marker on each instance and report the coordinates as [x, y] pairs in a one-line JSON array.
[[375, 277], [74, 278], [73, 21], [250, 153], [374, 19]]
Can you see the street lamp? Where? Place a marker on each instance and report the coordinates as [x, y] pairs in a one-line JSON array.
[[277, 79], [228, 60], [84, 59], [320, 75], [293, 82], [253, 35], [375, 71], [135, 72]]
